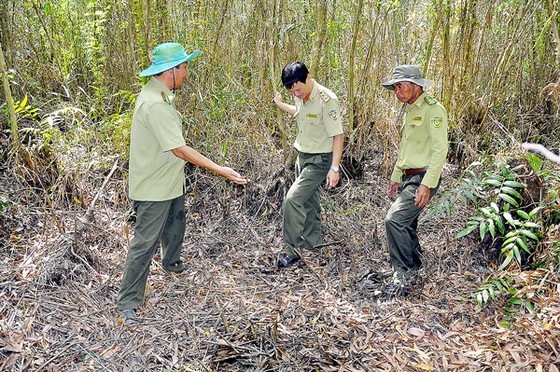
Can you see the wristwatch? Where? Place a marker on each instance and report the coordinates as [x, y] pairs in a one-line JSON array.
[[335, 169]]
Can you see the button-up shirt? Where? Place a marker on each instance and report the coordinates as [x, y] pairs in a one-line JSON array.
[[423, 140]]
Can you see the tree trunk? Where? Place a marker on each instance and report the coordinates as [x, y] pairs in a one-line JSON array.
[[9, 101], [352, 67], [554, 28], [321, 17]]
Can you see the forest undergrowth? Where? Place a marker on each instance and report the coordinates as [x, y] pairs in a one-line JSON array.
[[232, 310]]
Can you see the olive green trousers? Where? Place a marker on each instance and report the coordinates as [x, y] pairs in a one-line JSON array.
[[302, 208], [401, 224], [157, 223]]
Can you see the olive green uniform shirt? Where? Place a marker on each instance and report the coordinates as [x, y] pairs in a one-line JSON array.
[[318, 121], [423, 140], [155, 174]]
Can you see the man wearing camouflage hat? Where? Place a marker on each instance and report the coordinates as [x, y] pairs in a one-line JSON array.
[[158, 153], [417, 173]]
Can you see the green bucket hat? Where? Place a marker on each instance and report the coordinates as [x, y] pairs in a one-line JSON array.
[[406, 73], [166, 56]]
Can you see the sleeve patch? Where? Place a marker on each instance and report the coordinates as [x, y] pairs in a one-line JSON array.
[[437, 121], [333, 114]]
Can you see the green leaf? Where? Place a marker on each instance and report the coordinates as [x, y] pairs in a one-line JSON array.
[[517, 253], [483, 229], [529, 234], [508, 199], [485, 296], [529, 306], [507, 260], [534, 211], [517, 185], [485, 212], [515, 301], [495, 207], [531, 225], [491, 227], [523, 244], [512, 192], [509, 219], [509, 240], [499, 223], [523, 214], [491, 182], [479, 299], [492, 293], [466, 231]]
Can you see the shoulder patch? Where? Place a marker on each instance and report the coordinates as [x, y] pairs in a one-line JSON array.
[[430, 100], [437, 121], [324, 96]]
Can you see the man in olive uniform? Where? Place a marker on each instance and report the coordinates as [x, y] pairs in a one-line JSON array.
[[319, 144], [156, 175], [417, 173]]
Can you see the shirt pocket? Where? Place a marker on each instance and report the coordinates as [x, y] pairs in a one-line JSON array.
[[313, 117]]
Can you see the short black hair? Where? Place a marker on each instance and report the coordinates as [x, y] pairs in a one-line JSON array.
[[294, 72]]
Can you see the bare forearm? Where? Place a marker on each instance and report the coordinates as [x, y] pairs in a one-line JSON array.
[[338, 145], [192, 156]]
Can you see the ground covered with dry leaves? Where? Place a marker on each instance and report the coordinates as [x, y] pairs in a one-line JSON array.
[[232, 310]]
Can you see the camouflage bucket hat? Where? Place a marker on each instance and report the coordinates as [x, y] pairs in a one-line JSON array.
[[409, 73]]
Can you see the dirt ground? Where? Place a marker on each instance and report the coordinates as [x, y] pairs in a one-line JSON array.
[[233, 310]]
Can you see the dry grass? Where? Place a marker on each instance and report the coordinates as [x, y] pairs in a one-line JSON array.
[[233, 310]]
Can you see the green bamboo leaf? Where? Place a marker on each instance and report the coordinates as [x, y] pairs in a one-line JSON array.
[[485, 212], [499, 223], [485, 296], [479, 299], [491, 182], [509, 219], [507, 260], [515, 301], [483, 229], [534, 211], [531, 225], [508, 199], [511, 191], [529, 235], [466, 231], [510, 240], [515, 184], [507, 248], [517, 253], [523, 214], [491, 228], [492, 293], [529, 306], [495, 207], [523, 244], [478, 219]]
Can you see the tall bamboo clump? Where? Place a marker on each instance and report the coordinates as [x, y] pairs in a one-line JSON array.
[[489, 61]]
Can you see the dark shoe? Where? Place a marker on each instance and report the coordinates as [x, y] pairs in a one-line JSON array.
[[127, 317], [177, 267], [284, 260]]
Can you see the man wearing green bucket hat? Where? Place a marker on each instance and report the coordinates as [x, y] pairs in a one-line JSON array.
[[158, 153], [417, 173]]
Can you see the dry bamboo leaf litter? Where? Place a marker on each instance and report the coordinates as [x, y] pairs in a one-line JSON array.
[[232, 310]]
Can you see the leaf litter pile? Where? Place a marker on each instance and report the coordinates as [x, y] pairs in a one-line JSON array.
[[232, 309]]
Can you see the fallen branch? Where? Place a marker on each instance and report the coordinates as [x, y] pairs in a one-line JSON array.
[[542, 150]]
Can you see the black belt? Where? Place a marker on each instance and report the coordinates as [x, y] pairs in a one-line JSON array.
[[413, 171]]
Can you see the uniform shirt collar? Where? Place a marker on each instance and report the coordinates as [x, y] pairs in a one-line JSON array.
[[165, 91], [420, 100], [314, 95]]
